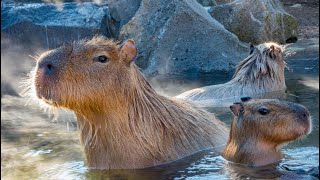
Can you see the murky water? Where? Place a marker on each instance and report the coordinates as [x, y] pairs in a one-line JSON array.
[[34, 147]]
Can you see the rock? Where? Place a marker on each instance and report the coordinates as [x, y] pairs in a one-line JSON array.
[[207, 2], [296, 6], [223, 1], [306, 49], [257, 21], [121, 12], [48, 25], [180, 37]]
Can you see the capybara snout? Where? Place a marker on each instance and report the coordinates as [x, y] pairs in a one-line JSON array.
[[50, 62], [301, 111]]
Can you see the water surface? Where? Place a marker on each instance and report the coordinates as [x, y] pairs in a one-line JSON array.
[[35, 147]]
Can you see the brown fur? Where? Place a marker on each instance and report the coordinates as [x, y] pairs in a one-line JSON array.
[[254, 138], [261, 72], [123, 122]]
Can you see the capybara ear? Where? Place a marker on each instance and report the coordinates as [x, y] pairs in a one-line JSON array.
[[251, 47], [237, 108], [128, 51]]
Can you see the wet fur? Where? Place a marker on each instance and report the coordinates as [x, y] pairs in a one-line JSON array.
[[255, 139], [123, 122], [261, 72]]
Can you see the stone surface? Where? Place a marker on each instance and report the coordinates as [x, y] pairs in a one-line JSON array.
[[180, 37], [257, 21], [121, 12], [48, 25], [207, 2]]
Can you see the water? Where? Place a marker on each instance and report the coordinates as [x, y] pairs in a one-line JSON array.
[[34, 147]]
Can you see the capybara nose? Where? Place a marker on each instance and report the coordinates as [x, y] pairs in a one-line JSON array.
[[304, 116], [303, 113]]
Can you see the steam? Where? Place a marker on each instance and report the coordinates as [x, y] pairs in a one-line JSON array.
[[15, 63], [17, 71]]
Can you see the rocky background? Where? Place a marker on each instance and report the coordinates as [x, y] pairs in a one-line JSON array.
[[174, 37]]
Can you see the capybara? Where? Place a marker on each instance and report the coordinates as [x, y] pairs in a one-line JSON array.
[[261, 126], [259, 73], [123, 122]]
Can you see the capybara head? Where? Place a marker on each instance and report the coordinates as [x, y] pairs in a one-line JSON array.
[[265, 59], [83, 73], [261, 126], [269, 120]]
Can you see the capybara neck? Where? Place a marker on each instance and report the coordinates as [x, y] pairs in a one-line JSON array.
[[260, 127], [251, 151], [123, 122], [145, 129]]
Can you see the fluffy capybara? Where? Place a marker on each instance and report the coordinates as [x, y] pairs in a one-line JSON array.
[[123, 122], [261, 126], [259, 73]]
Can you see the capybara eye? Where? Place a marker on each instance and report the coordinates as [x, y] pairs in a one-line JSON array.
[[263, 111], [103, 59]]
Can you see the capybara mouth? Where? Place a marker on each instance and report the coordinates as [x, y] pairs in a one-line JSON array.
[[308, 127], [44, 88], [304, 129]]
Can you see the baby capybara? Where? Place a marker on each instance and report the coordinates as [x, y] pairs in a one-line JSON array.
[[123, 122], [260, 127]]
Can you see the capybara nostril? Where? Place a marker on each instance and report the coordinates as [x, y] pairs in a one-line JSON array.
[[49, 69], [49, 66], [304, 115]]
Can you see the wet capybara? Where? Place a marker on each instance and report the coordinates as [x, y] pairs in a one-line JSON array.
[[261, 126], [259, 73], [123, 122]]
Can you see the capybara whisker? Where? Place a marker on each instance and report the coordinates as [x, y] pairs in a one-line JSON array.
[[260, 127], [261, 72], [123, 122]]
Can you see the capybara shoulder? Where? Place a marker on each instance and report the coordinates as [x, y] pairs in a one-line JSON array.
[[123, 122]]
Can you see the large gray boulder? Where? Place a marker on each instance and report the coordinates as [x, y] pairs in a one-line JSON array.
[[207, 2], [179, 36], [257, 21], [48, 25], [121, 11]]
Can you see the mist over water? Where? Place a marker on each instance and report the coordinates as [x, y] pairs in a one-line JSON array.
[[36, 146]]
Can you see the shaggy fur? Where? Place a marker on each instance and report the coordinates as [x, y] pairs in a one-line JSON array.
[[255, 138], [123, 122], [261, 72]]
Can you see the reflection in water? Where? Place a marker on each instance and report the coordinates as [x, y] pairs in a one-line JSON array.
[[33, 147], [209, 166]]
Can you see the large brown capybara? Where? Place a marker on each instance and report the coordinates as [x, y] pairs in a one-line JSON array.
[[261, 126], [123, 122], [256, 76]]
